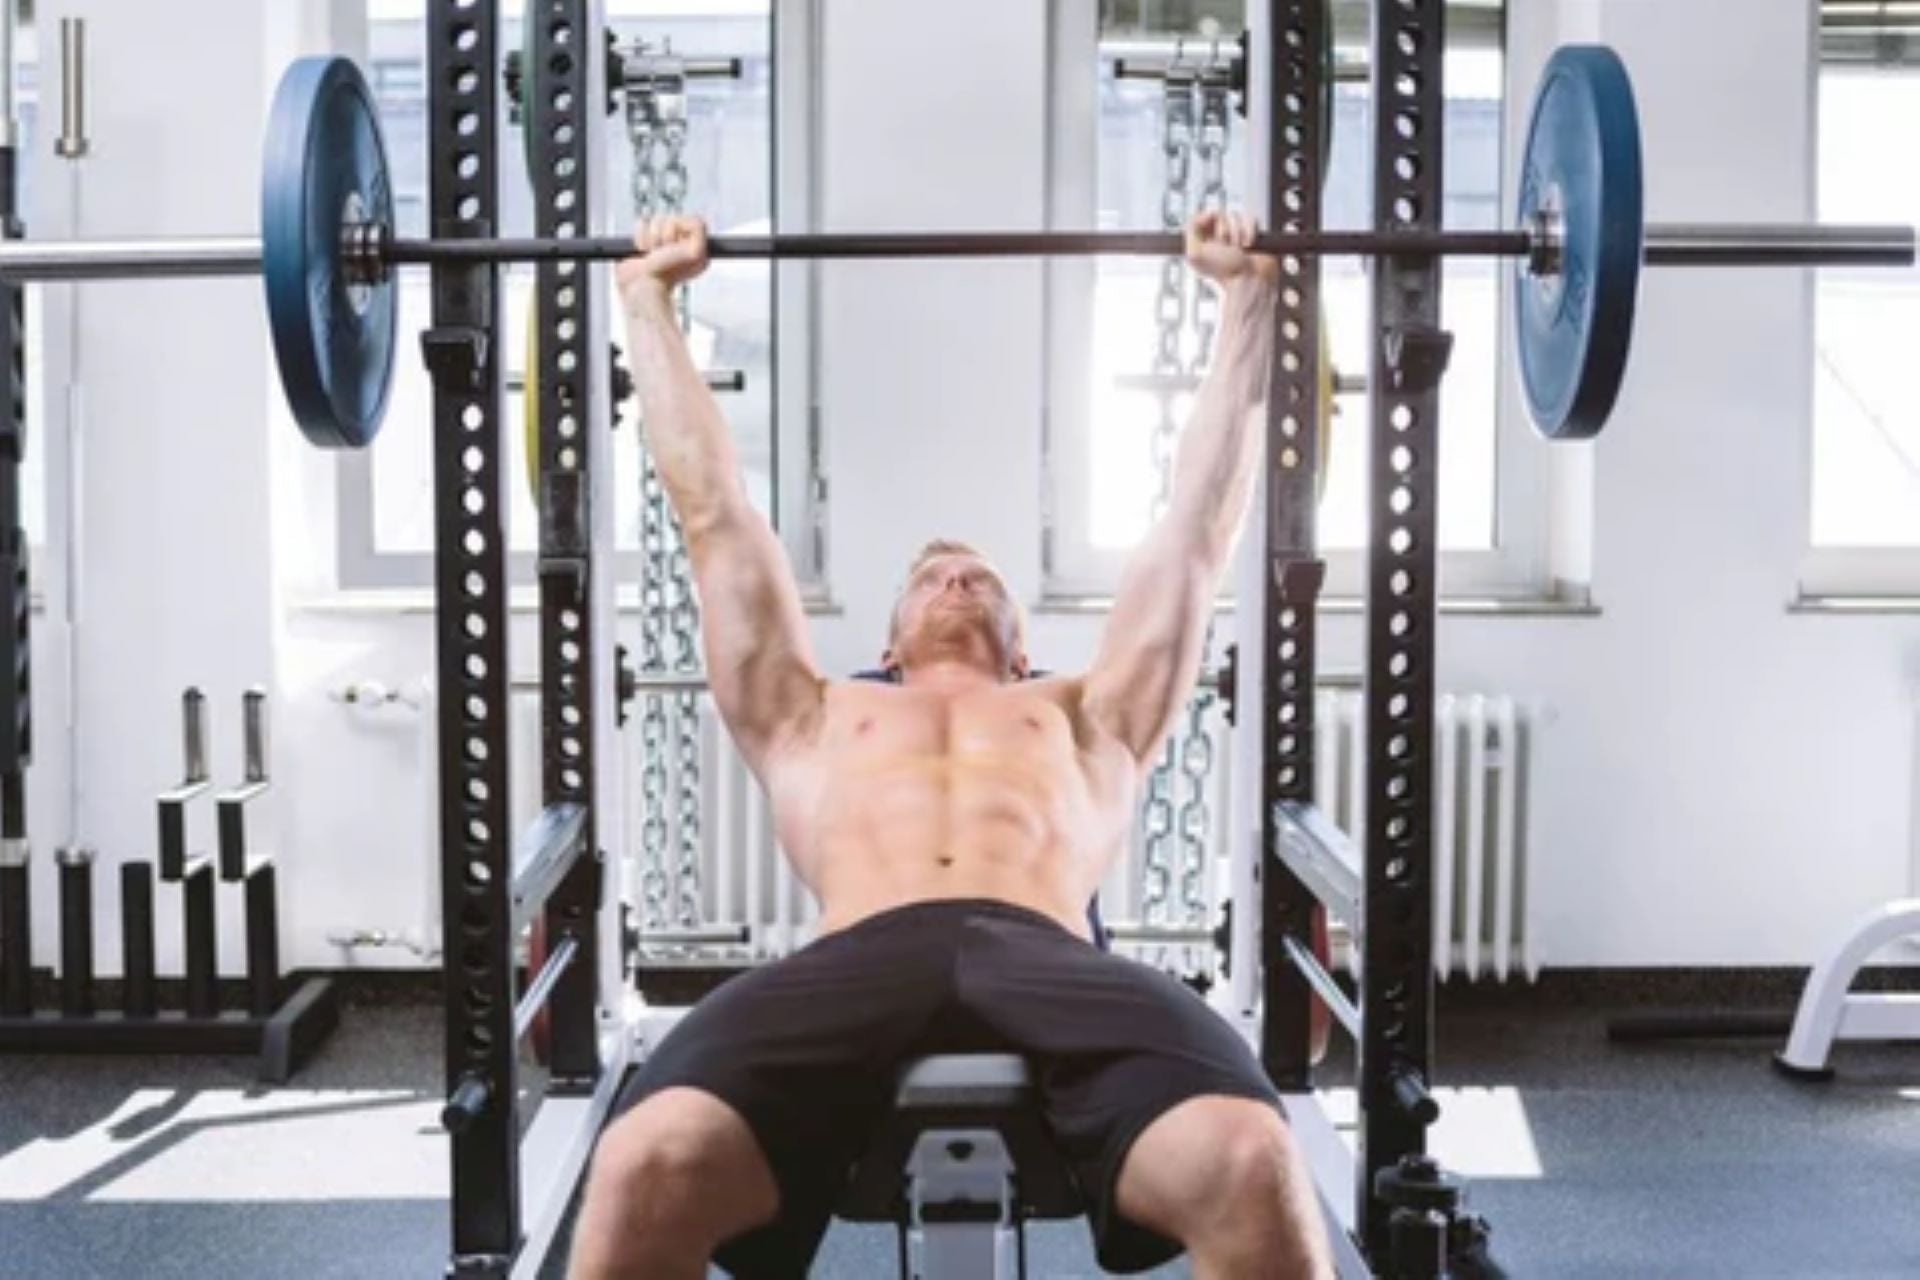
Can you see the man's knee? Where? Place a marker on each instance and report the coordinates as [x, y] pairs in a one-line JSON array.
[[1209, 1164], [1248, 1155], [1254, 1157], [683, 1158]]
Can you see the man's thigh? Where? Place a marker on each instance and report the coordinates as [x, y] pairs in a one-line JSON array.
[[805, 1051], [1115, 1046]]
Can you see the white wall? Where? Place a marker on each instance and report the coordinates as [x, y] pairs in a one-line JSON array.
[[173, 389], [1728, 782], [1724, 782]]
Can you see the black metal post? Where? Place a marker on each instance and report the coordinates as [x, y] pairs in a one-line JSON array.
[[263, 941], [136, 938], [76, 937], [202, 960], [470, 590], [1291, 583], [573, 375], [16, 615], [16, 937], [1409, 355], [16, 887]]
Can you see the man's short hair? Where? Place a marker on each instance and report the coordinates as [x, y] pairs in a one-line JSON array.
[[942, 547]]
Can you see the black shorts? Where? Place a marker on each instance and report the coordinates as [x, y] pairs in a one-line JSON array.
[[808, 1051]]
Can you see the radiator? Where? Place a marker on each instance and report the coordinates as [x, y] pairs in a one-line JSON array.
[[726, 868], [1483, 923]]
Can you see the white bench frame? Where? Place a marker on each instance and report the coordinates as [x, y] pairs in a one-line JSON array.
[[1830, 1011]]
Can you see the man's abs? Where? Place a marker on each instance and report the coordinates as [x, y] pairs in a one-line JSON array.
[[902, 796]]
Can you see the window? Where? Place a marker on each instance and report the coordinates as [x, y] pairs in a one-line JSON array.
[[386, 526], [1102, 467], [1864, 510]]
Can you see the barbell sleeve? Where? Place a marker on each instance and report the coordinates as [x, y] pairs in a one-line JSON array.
[[1682, 244], [57, 260]]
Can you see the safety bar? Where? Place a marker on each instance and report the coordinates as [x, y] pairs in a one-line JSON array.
[[1322, 856], [547, 852]]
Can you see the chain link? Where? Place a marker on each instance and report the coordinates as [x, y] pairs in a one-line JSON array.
[[672, 180]]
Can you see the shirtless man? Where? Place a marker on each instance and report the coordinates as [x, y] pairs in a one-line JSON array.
[[954, 825]]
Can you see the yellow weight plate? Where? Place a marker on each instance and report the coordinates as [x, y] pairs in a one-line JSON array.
[[530, 398]]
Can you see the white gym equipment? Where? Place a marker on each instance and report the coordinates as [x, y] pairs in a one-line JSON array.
[[1830, 1010]]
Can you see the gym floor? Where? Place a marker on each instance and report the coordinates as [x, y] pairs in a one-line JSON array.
[[1591, 1159]]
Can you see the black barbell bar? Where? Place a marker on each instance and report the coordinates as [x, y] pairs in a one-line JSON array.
[[1679, 244]]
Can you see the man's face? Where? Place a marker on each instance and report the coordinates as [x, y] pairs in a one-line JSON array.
[[954, 601]]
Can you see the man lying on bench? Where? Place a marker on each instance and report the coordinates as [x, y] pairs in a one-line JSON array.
[[953, 826]]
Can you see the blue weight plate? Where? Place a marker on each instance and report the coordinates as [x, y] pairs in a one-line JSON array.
[[1582, 170], [326, 166]]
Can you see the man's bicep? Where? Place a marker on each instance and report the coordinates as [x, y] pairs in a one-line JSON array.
[[1150, 654], [760, 665]]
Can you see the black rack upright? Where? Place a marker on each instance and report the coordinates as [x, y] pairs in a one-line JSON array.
[[462, 351], [492, 885], [1292, 570], [1409, 352], [569, 300], [16, 700]]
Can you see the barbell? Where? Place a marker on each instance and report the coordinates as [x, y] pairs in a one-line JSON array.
[[328, 252]]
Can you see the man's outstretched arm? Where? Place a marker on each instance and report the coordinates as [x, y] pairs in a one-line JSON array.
[[1150, 655], [760, 665]]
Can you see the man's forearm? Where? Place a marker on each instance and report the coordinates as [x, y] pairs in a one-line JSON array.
[[1214, 469], [683, 426]]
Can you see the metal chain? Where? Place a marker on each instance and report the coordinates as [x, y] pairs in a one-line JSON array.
[[669, 157], [640, 135], [642, 119], [656, 99], [1170, 320], [1170, 305], [1196, 750], [653, 713], [1210, 146], [672, 177], [657, 129]]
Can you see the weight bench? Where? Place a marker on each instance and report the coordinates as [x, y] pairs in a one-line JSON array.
[[961, 1164]]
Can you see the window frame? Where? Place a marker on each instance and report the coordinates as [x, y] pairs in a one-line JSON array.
[[798, 491], [1073, 571], [1853, 571]]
